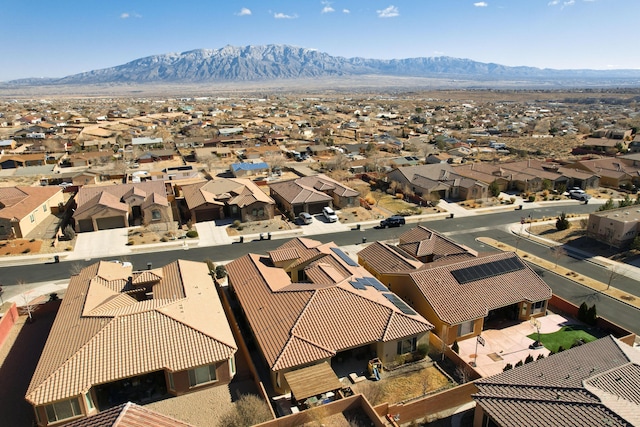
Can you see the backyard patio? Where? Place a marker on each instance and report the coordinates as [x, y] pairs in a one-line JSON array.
[[512, 344]]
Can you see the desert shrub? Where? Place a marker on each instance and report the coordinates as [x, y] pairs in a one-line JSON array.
[[130, 243], [247, 411], [192, 233], [519, 363], [512, 199], [540, 356], [26, 251], [532, 198], [164, 239], [562, 223]]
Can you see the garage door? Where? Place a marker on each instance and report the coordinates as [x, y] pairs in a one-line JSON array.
[[110, 222], [85, 225], [316, 208], [207, 215]]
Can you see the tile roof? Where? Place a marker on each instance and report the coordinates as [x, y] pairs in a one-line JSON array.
[[17, 202], [128, 415], [455, 303], [303, 322], [88, 192], [386, 258], [310, 189], [232, 191], [592, 384], [102, 334], [421, 241]]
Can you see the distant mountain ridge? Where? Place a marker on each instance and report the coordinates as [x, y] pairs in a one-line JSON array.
[[277, 62]]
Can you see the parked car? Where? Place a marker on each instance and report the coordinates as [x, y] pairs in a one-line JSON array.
[[579, 194], [392, 221], [305, 218], [329, 214]]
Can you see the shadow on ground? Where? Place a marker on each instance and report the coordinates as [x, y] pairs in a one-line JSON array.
[[18, 367]]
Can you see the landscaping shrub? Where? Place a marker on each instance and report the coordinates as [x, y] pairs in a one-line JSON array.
[[455, 347], [26, 251], [192, 233], [562, 223], [520, 363], [592, 316], [221, 272], [532, 198], [540, 356], [247, 411], [582, 312]]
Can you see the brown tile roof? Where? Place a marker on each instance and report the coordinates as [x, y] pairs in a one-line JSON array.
[[101, 334], [17, 202], [128, 415], [455, 303], [298, 323], [88, 192], [386, 258], [592, 384], [421, 241], [231, 191]]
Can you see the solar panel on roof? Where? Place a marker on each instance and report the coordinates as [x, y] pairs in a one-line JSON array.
[[358, 284], [375, 283], [402, 306], [346, 258], [488, 269]]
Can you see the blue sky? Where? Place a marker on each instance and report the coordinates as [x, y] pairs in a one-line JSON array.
[[43, 38]]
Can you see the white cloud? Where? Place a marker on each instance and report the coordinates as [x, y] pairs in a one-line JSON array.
[[553, 3], [346, 11], [244, 12], [327, 7], [127, 15], [390, 12], [280, 15], [481, 4]]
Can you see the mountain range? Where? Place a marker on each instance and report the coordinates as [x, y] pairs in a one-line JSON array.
[[282, 62]]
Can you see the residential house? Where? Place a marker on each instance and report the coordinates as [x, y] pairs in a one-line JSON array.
[[240, 170], [226, 198], [8, 144], [87, 158], [307, 303], [591, 384], [312, 193], [12, 161], [458, 290], [606, 146], [614, 172], [123, 335], [156, 156], [615, 227], [22, 209], [438, 181], [105, 207], [147, 141]]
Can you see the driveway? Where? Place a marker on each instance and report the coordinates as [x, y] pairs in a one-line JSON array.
[[99, 244], [211, 234], [320, 225]]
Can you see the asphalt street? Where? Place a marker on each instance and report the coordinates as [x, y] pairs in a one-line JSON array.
[[464, 230]]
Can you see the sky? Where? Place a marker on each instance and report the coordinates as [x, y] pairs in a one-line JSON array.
[[44, 38]]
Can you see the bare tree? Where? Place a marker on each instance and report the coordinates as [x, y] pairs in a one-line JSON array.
[[377, 195], [614, 273], [463, 373], [28, 306], [558, 252]]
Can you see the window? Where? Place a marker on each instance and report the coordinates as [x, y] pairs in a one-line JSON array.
[[537, 307], [407, 346], [465, 328], [202, 375], [32, 218], [62, 410], [44, 208], [172, 385], [89, 401], [155, 214]]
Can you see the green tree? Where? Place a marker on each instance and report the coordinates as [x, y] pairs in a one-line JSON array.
[[625, 202], [547, 184], [582, 312], [562, 223], [592, 315], [528, 359], [494, 189], [607, 205]]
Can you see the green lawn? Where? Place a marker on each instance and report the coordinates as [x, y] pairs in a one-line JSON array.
[[565, 337]]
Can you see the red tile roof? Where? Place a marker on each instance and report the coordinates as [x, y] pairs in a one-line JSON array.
[[128, 415], [102, 334], [298, 323]]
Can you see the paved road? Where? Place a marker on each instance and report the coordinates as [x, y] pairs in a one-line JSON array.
[[464, 230]]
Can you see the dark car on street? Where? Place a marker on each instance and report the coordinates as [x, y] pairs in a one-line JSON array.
[[392, 221]]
